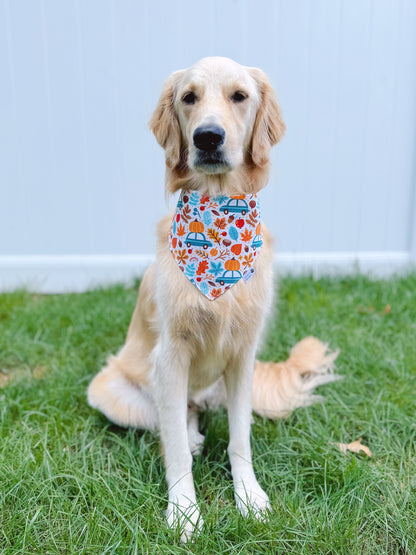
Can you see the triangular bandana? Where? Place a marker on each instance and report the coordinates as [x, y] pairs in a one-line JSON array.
[[215, 240]]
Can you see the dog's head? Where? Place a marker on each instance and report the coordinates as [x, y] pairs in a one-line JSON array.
[[214, 118]]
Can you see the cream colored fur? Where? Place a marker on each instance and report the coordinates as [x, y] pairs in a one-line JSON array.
[[184, 353]]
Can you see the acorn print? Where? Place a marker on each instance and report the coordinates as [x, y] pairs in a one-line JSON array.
[[226, 242], [252, 203], [185, 199]]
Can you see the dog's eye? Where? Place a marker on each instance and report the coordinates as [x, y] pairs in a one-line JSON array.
[[189, 98], [238, 96]]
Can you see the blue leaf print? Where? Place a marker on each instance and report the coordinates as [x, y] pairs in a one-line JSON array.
[[174, 227], [233, 233], [215, 268], [220, 199], [204, 288], [194, 200], [190, 269], [207, 218]]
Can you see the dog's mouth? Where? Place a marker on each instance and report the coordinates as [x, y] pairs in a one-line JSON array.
[[211, 162]]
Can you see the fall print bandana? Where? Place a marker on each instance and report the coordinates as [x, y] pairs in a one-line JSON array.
[[215, 240]]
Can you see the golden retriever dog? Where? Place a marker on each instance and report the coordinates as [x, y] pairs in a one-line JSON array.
[[217, 122]]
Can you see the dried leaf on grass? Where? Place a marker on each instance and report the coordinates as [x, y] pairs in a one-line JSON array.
[[39, 372], [4, 379], [355, 447], [16, 373]]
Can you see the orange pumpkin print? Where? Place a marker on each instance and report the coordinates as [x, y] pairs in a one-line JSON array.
[[196, 227], [232, 265]]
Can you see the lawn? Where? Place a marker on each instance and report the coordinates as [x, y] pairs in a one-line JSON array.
[[70, 482]]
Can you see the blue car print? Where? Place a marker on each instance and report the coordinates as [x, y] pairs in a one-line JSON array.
[[229, 276], [257, 242], [197, 240], [238, 206]]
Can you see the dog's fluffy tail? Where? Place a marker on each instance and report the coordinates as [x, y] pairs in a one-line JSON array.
[[281, 387]]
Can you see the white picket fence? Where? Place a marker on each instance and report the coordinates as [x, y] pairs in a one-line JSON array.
[[81, 176]]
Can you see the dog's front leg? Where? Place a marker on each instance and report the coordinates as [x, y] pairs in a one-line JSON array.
[[171, 392], [249, 496]]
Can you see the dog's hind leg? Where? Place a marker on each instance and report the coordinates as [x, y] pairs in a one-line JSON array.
[[129, 405], [121, 389], [195, 439], [120, 400]]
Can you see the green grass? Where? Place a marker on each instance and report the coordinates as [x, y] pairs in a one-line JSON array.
[[70, 482]]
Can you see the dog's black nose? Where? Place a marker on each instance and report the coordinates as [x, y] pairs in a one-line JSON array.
[[209, 137]]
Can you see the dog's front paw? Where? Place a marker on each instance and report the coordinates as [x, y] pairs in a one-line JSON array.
[[251, 500], [184, 515]]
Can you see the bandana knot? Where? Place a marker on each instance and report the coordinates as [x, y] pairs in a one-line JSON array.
[[215, 240]]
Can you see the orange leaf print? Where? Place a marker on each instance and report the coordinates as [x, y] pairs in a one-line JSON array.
[[213, 252], [252, 218], [220, 223], [180, 230], [186, 214], [202, 267], [246, 236], [182, 256], [215, 293], [236, 249], [248, 260], [214, 235], [202, 254], [174, 242]]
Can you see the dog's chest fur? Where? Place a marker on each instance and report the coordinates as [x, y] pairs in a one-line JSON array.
[[215, 333], [213, 340]]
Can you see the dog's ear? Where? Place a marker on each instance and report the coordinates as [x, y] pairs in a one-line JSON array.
[[165, 124], [269, 126]]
